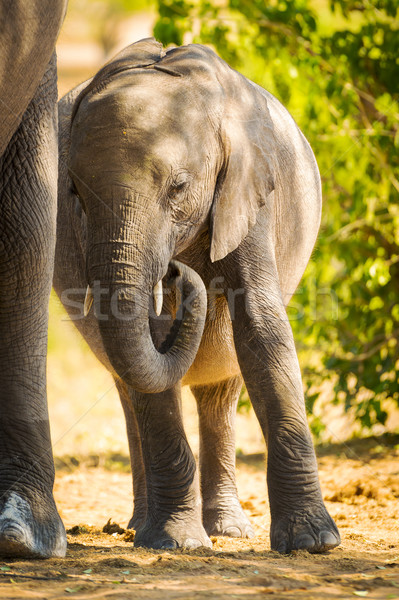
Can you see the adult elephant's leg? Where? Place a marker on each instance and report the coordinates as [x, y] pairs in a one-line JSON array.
[[269, 365], [221, 509], [29, 522], [136, 458], [173, 500], [28, 34]]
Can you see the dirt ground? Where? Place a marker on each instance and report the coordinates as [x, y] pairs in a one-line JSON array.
[[360, 482]]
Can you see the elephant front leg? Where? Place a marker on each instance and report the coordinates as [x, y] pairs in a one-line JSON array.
[[29, 522], [269, 365], [222, 512], [174, 517]]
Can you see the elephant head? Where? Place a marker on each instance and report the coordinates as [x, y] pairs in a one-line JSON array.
[[164, 145]]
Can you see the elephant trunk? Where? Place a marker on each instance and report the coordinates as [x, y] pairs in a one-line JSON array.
[[124, 306]]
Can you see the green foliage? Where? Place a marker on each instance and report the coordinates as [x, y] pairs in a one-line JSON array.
[[173, 21], [336, 68]]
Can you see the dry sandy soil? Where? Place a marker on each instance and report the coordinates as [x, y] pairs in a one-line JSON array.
[[360, 482]]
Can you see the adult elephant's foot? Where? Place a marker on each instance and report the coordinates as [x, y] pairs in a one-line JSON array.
[[311, 530], [176, 533], [28, 532], [226, 517], [137, 521], [139, 513]]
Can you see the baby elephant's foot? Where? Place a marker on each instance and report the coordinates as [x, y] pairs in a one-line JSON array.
[[171, 535], [28, 533], [314, 531], [226, 517]]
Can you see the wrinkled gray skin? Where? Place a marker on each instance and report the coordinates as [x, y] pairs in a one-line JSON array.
[[29, 523], [175, 155]]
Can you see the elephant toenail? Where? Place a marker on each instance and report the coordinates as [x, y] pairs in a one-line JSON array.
[[282, 548], [192, 543], [304, 542], [329, 539], [169, 545], [233, 532]]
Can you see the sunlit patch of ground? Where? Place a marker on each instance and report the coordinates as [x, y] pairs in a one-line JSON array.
[[360, 483]]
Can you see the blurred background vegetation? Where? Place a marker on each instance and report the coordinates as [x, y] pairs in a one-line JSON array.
[[335, 65]]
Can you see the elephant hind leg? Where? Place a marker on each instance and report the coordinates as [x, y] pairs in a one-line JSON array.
[[222, 512]]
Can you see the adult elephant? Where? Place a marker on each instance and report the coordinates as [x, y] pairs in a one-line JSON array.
[[29, 522], [176, 168]]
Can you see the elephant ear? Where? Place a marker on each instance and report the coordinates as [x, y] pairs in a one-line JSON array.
[[247, 175], [70, 219]]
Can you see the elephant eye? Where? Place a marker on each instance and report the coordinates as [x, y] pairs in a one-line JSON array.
[[176, 188]]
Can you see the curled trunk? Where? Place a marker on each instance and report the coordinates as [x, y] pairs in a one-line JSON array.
[[127, 337]]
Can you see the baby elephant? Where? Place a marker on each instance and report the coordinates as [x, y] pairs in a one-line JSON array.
[[180, 178]]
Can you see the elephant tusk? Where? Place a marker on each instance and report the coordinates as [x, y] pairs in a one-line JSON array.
[[158, 298], [88, 301]]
